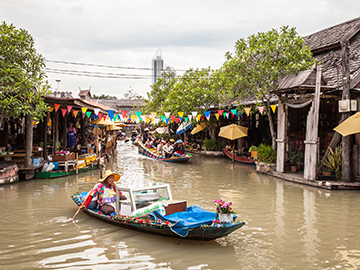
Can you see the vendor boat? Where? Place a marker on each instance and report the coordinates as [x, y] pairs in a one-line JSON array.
[[151, 209], [86, 162], [151, 152], [241, 159], [8, 172]]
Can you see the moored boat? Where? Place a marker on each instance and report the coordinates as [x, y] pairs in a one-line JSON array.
[[241, 159], [86, 162], [151, 209], [150, 152], [8, 172]]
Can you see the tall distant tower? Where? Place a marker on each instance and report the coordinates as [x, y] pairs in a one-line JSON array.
[[157, 65]]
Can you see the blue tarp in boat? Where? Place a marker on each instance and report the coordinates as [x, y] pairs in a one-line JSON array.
[[193, 216]]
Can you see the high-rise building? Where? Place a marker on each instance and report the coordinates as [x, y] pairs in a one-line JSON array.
[[157, 65]]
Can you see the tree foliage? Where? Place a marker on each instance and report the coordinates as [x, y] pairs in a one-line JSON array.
[[23, 83], [260, 62], [131, 94]]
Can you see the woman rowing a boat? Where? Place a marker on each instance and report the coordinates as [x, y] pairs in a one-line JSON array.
[[105, 193]]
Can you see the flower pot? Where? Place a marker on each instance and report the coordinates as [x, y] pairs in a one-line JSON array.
[[293, 168], [226, 217]]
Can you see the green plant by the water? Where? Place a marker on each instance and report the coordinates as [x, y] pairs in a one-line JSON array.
[[266, 153], [333, 161], [213, 145], [295, 157]]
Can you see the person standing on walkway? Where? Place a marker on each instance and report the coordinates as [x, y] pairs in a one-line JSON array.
[[71, 137]]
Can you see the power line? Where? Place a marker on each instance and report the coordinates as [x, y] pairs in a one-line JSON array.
[[95, 73], [98, 75], [104, 66]]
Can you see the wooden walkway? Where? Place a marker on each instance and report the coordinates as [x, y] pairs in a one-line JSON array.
[[298, 178]]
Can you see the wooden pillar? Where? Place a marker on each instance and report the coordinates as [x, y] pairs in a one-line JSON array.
[[46, 136], [29, 141], [82, 130], [312, 127], [281, 136], [64, 131], [56, 135], [346, 141]]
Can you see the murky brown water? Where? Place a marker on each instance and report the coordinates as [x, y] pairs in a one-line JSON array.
[[289, 226]]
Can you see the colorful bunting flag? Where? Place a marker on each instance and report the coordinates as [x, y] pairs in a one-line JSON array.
[[220, 112], [111, 114], [63, 111], [224, 114], [96, 111], [217, 116], [75, 113], [194, 114], [173, 118], [207, 114], [69, 108], [181, 114], [123, 113], [261, 109], [198, 117], [88, 114], [57, 106], [247, 110], [99, 114], [190, 117], [167, 114], [186, 119], [51, 109], [84, 109], [273, 107], [177, 120], [138, 114], [234, 112]]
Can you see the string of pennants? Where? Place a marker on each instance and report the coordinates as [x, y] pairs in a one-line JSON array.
[[166, 118]]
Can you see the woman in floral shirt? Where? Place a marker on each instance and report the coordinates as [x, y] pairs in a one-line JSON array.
[[105, 192]]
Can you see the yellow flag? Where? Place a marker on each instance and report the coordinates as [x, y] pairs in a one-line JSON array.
[[198, 117], [217, 116], [247, 110], [133, 117], [181, 114], [51, 109], [273, 107], [153, 115], [84, 109]]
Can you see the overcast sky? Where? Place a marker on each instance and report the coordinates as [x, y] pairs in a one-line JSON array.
[[190, 34]]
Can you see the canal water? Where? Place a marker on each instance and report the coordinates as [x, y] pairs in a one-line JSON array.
[[290, 226]]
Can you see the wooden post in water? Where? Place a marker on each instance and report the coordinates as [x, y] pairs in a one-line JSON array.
[[29, 140], [312, 127], [281, 137], [77, 162]]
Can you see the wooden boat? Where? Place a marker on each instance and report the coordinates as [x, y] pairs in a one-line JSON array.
[[8, 172], [241, 159], [87, 162], [150, 152], [199, 224]]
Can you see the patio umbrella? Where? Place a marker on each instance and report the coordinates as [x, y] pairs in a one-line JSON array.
[[350, 126], [183, 126], [233, 132], [198, 128]]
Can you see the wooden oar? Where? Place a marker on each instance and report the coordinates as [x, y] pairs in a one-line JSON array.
[[80, 207]]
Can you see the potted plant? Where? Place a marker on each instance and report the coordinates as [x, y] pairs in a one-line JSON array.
[[294, 159], [333, 162], [224, 212], [266, 158]]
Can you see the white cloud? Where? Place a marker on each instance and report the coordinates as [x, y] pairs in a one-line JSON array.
[[128, 33]]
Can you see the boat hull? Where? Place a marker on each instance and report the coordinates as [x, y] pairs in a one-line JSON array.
[[56, 174], [147, 152], [205, 233], [244, 160]]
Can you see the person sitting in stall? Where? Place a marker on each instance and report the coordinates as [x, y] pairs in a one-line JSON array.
[[71, 136], [252, 148], [167, 148], [145, 135], [105, 194], [179, 149]]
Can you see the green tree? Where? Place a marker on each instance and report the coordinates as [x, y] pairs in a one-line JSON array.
[[23, 84], [260, 62], [131, 94]]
